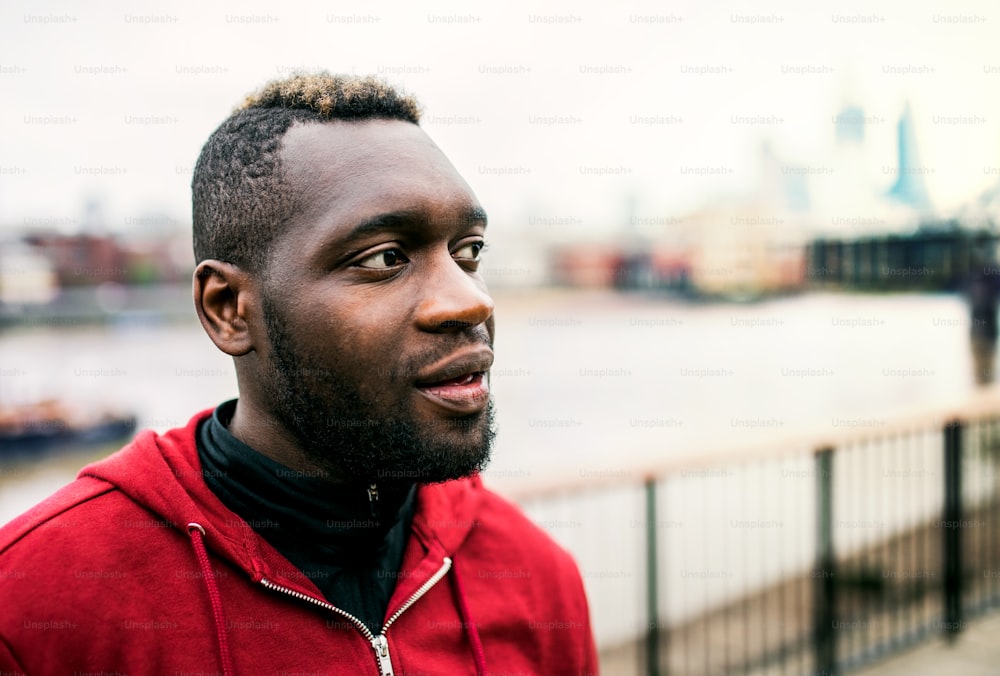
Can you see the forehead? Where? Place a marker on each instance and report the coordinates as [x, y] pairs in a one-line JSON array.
[[344, 171]]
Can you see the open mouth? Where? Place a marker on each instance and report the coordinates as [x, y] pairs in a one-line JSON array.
[[458, 381], [457, 384], [467, 393]]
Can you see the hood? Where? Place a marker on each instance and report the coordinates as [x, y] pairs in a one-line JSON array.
[[162, 473]]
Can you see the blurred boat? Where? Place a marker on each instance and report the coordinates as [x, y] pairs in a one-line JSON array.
[[51, 425]]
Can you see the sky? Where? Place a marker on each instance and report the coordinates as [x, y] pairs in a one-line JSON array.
[[556, 112]]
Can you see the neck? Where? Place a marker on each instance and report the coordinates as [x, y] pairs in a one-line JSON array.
[[296, 503], [261, 431]]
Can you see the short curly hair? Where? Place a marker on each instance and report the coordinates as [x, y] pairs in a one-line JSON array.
[[239, 195]]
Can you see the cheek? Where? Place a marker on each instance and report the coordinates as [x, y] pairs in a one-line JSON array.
[[364, 346], [357, 333]]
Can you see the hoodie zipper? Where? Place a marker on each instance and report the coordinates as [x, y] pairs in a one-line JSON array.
[[379, 643], [373, 500]]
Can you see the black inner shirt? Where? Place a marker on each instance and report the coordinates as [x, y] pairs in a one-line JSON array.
[[351, 549]]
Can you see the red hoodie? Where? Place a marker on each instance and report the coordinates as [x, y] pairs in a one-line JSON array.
[[136, 567]]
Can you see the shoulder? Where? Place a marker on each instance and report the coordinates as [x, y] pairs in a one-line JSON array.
[[60, 510], [505, 520], [64, 559], [460, 511], [109, 501], [506, 534], [525, 589], [88, 524], [495, 536]]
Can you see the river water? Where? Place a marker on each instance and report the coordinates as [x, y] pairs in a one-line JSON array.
[[586, 384]]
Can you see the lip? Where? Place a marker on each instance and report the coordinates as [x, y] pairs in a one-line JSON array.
[[458, 397]]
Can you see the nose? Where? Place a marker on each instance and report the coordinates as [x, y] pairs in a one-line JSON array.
[[452, 298]]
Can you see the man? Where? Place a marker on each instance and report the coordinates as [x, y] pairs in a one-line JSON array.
[[331, 519]]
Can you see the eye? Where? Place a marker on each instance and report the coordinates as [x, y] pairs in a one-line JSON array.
[[470, 251], [383, 260]]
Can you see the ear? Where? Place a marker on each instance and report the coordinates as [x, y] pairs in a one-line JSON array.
[[223, 297]]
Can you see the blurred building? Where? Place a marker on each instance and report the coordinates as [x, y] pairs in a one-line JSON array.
[[89, 259], [26, 276], [82, 259], [754, 244]]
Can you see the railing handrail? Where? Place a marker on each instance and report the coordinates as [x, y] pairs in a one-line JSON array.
[[982, 403]]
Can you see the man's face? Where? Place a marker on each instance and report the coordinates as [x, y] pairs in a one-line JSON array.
[[379, 325]]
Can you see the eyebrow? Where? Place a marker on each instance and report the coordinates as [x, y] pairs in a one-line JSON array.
[[340, 246], [408, 219]]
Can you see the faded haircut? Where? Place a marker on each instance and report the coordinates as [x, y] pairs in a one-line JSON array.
[[240, 199]]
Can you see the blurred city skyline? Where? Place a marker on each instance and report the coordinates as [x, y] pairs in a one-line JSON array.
[[569, 115]]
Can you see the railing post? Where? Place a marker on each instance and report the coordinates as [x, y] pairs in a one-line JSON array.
[[951, 530], [652, 589], [824, 588]]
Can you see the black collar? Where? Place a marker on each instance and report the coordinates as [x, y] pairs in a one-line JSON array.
[[303, 517]]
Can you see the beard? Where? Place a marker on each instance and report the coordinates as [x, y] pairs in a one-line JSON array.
[[357, 439]]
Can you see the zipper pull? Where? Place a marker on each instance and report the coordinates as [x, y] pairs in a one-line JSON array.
[[373, 500], [381, 645]]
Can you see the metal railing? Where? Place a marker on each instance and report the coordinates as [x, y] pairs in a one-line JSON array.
[[814, 558]]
